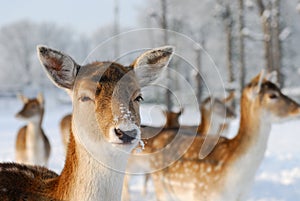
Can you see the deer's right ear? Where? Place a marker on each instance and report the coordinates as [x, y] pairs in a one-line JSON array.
[[61, 68], [23, 98], [149, 65]]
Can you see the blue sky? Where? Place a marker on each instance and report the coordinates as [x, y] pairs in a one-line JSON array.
[[84, 16]]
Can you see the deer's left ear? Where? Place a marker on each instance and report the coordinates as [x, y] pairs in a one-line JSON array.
[[40, 98], [60, 67], [23, 98], [149, 65]]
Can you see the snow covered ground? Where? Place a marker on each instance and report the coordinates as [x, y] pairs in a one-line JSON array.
[[278, 178]]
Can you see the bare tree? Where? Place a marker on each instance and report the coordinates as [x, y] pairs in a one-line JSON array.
[[116, 29], [241, 44], [269, 11], [265, 14], [164, 26], [198, 79], [276, 42]]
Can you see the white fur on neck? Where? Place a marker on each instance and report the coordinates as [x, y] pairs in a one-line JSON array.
[[243, 170], [96, 178], [95, 181], [35, 145]]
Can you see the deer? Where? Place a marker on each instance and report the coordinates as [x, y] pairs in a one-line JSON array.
[[65, 126], [105, 128], [32, 145], [212, 109], [172, 118], [228, 171], [172, 121]]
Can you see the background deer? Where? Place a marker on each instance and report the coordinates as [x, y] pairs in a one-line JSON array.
[[228, 171], [65, 126], [172, 122], [32, 145], [172, 118], [212, 109], [105, 128]]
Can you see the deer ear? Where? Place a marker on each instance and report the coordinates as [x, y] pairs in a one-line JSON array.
[[149, 65], [61, 68], [23, 98], [40, 98], [180, 111], [257, 82]]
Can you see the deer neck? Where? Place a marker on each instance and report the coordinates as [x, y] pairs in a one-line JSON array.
[[34, 131], [86, 178], [251, 141], [35, 123]]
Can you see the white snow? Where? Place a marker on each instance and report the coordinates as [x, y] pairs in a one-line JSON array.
[[278, 178]]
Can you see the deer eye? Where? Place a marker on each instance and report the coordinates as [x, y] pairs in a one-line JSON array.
[[139, 99], [85, 98], [273, 96]]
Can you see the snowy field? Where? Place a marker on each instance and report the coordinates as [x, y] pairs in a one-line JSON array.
[[278, 178]]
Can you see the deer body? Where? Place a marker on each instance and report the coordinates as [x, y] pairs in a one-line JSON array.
[[32, 145], [65, 126], [105, 128], [229, 170]]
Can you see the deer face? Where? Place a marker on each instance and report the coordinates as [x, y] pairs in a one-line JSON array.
[[267, 98], [112, 92], [106, 95], [32, 109]]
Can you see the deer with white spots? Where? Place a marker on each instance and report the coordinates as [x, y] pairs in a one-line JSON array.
[[101, 137], [65, 126], [212, 109], [228, 171], [32, 145], [172, 122]]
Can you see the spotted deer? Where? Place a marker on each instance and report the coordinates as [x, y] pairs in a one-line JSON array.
[[65, 126], [32, 145], [105, 128], [212, 109], [229, 170], [172, 122]]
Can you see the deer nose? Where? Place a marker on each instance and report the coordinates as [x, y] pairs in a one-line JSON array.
[[126, 136]]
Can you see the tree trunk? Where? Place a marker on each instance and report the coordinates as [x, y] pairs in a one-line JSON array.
[[228, 24], [266, 27], [276, 41], [164, 26], [116, 30], [198, 74], [229, 41], [241, 45]]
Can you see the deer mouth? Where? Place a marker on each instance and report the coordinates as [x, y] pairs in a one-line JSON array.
[[124, 135]]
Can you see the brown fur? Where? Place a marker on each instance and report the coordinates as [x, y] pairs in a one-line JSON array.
[[98, 88], [32, 107], [172, 119], [65, 127], [209, 174]]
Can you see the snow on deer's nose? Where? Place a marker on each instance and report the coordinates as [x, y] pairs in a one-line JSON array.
[[126, 130]]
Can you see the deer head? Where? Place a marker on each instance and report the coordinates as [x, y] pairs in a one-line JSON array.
[[32, 109], [105, 95], [265, 97]]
